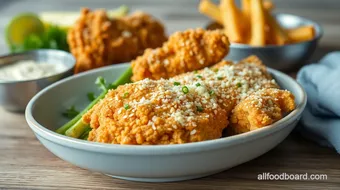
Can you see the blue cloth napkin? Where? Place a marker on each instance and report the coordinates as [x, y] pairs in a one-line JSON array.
[[321, 118]]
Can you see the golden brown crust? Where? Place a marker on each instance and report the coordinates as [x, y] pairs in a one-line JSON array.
[[96, 40], [148, 120], [185, 51], [260, 109], [159, 112]]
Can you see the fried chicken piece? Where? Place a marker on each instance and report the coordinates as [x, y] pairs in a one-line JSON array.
[[260, 109], [96, 40], [187, 108], [154, 112], [183, 52]]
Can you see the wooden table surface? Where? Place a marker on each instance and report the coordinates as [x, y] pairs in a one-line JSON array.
[[26, 164]]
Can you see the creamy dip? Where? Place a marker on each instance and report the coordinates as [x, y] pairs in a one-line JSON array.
[[28, 70]]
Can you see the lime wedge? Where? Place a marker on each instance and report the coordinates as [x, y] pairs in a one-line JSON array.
[[22, 26]]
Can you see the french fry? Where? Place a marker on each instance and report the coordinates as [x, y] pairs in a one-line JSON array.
[[246, 10], [245, 5], [231, 20], [303, 33], [268, 5], [211, 10], [278, 35], [253, 24], [258, 23]]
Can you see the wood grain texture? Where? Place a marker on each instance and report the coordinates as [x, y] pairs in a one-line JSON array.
[[26, 164]]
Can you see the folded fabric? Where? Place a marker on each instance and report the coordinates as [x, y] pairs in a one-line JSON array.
[[321, 118]]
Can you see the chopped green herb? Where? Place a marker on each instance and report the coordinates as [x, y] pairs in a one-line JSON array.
[[126, 106], [198, 84], [177, 83], [101, 83], [185, 90], [91, 96], [239, 84], [71, 112], [199, 76], [126, 94], [219, 78], [199, 108], [216, 70], [211, 92], [195, 72]]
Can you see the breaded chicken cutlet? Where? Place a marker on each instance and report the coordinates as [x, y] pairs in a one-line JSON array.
[[96, 40], [260, 109], [183, 52], [191, 107]]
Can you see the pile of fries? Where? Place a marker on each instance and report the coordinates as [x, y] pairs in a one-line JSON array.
[[253, 23]]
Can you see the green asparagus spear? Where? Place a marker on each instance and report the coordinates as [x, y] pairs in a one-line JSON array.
[[69, 124], [85, 135], [76, 126]]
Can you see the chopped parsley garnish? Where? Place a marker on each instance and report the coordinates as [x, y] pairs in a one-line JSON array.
[[198, 84], [126, 106], [219, 78], [239, 84], [211, 92], [177, 83], [101, 83], [195, 72], [185, 89], [216, 70], [199, 108], [126, 94], [199, 76]]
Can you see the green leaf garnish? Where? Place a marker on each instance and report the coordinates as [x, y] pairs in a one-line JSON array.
[[71, 112], [91, 96]]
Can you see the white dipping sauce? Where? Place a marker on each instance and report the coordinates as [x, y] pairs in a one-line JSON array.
[[29, 70]]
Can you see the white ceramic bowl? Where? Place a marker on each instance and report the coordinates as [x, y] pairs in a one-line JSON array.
[[160, 163]]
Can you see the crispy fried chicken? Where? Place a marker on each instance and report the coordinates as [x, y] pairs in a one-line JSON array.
[[183, 52], [96, 40], [191, 107]]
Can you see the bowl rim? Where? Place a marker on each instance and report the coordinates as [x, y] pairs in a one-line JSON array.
[[319, 33], [54, 51], [202, 146]]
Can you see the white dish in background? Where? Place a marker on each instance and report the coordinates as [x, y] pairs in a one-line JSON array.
[[152, 163]]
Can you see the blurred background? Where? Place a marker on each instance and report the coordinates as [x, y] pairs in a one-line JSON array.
[[180, 15]]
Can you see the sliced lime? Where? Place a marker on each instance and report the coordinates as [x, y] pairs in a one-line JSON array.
[[21, 27]]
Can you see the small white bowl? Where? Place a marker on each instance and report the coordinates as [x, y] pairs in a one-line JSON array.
[[158, 163]]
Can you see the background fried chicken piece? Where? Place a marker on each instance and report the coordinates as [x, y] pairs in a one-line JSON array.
[[260, 109], [95, 40], [185, 51]]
